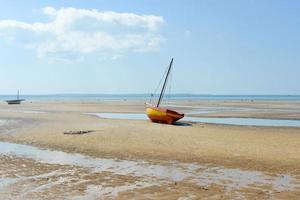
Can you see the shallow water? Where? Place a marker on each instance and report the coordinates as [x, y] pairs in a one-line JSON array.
[[196, 109], [23, 111], [146, 174], [246, 121], [214, 120], [202, 175], [3, 122]]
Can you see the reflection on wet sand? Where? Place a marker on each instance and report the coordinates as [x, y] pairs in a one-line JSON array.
[[3, 122], [29, 172]]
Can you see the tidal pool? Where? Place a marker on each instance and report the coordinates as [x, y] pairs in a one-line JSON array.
[[213, 120]]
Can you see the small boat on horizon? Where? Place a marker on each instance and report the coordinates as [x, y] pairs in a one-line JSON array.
[[15, 101], [163, 115]]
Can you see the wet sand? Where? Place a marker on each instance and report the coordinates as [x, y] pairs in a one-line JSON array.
[[270, 150], [32, 173]]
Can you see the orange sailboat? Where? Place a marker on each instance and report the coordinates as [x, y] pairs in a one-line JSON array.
[[163, 115]]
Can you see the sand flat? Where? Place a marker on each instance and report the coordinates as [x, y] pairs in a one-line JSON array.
[[222, 144], [271, 150], [32, 173]]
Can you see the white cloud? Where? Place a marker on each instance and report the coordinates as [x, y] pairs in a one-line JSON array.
[[72, 32]]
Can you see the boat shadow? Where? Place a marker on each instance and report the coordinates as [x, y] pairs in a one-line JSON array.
[[182, 124]]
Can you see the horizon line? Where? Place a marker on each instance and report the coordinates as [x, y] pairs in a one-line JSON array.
[[118, 94]]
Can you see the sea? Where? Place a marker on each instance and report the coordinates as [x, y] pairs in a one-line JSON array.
[[146, 97]]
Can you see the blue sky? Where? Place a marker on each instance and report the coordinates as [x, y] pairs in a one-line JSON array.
[[124, 46]]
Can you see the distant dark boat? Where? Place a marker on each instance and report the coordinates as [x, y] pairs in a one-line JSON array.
[[15, 101]]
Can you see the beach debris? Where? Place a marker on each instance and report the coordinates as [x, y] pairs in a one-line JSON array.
[[78, 132], [204, 188]]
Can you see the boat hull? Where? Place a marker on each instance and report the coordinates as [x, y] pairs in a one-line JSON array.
[[162, 115], [17, 101]]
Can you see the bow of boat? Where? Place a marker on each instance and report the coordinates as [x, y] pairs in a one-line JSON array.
[[163, 115]]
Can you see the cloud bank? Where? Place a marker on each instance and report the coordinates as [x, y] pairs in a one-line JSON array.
[[71, 33]]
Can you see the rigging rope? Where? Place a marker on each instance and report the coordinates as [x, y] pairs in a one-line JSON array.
[[168, 94], [158, 86]]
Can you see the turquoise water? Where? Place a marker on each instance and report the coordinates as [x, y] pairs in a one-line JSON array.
[[213, 120], [146, 97]]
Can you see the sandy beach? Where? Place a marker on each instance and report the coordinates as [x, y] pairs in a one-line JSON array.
[[272, 151], [147, 100]]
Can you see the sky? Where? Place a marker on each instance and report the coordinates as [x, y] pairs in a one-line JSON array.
[[124, 46]]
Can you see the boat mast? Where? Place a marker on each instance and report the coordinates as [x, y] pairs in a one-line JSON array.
[[18, 95], [165, 83]]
